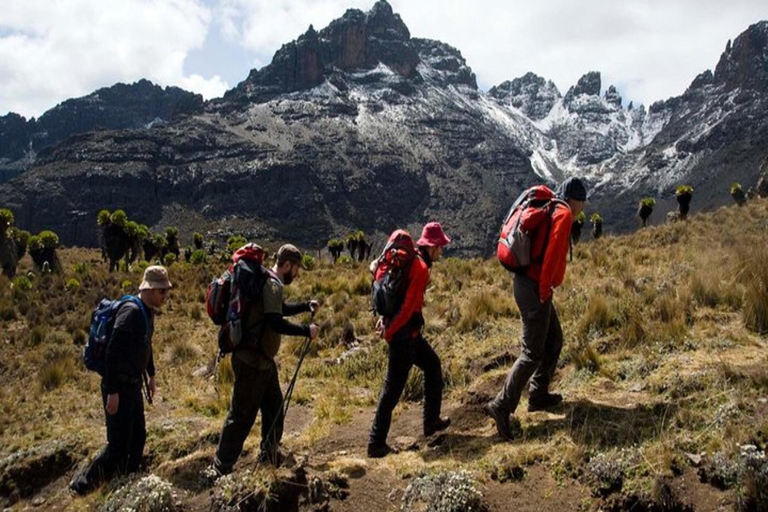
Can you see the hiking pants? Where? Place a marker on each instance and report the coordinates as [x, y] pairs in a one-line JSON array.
[[126, 435], [403, 354], [541, 346], [255, 389]]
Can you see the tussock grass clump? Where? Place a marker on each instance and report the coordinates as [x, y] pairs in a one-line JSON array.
[[705, 290], [483, 305], [57, 371], [37, 335], [585, 357], [598, 317], [755, 310]]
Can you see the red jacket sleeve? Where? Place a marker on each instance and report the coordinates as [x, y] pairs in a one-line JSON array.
[[553, 268], [414, 298]]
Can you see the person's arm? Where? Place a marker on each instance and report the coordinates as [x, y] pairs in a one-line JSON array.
[[418, 277], [280, 325], [557, 251], [295, 308]]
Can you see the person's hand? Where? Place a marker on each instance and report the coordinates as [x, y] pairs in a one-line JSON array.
[[380, 327], [314, 305], [152, 387], [113, 401], [314, 330]]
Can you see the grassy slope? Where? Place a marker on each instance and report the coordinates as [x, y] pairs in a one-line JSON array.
[[658, 361]]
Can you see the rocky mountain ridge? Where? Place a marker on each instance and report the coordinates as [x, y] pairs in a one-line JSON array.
[[361, 126], [122, 106]]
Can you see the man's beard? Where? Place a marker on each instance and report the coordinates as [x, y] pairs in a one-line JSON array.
[[288, 278]]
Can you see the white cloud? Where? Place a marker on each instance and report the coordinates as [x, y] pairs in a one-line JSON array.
[[208, 87], [650, 49], [52, 51]]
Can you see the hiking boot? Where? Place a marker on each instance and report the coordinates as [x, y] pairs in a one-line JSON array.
[[80, 485], [377, 451], [543, 402], [501, 418], [436, 426]]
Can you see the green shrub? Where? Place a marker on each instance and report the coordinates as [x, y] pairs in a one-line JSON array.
[[197, 240], [198, 257], [34, 243], [22, 283], [142, 232], [49, 239], [235, 242], [103, 218], [72, 285], [308, 261], [169, 259], [131, 228], [6, 219], [81, 268], [345, 259], [119, 217], [126, 286]]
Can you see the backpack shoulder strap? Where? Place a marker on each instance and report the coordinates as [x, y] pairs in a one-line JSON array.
[[143, 309]]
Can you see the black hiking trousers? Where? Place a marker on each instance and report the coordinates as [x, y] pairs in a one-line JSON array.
[[404, 352], [255, 389], [126, 435]]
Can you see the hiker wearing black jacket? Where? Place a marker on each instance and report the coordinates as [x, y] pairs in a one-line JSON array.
[[129, 356], [257, 387]]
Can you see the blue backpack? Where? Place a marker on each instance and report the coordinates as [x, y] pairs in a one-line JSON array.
[[102, 322]]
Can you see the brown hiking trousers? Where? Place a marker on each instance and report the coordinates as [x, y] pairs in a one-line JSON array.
[[540, 347]]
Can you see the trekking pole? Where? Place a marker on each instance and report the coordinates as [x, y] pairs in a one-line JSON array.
[[289, 391]]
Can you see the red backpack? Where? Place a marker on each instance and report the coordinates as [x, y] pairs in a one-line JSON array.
[[390, 274], [229, 293], [528, 212]]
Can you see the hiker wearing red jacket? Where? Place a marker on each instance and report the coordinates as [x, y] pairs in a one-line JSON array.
[[407, 347], [542, 335]]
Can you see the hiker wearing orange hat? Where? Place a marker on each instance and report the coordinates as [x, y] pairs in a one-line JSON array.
[[403, 332]]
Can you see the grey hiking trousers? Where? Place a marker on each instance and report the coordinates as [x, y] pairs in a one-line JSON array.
[[541, 346]]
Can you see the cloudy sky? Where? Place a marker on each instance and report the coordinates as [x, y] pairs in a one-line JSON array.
[[51, 50]]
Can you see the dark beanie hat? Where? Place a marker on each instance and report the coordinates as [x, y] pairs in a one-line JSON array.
[[572, 188]]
